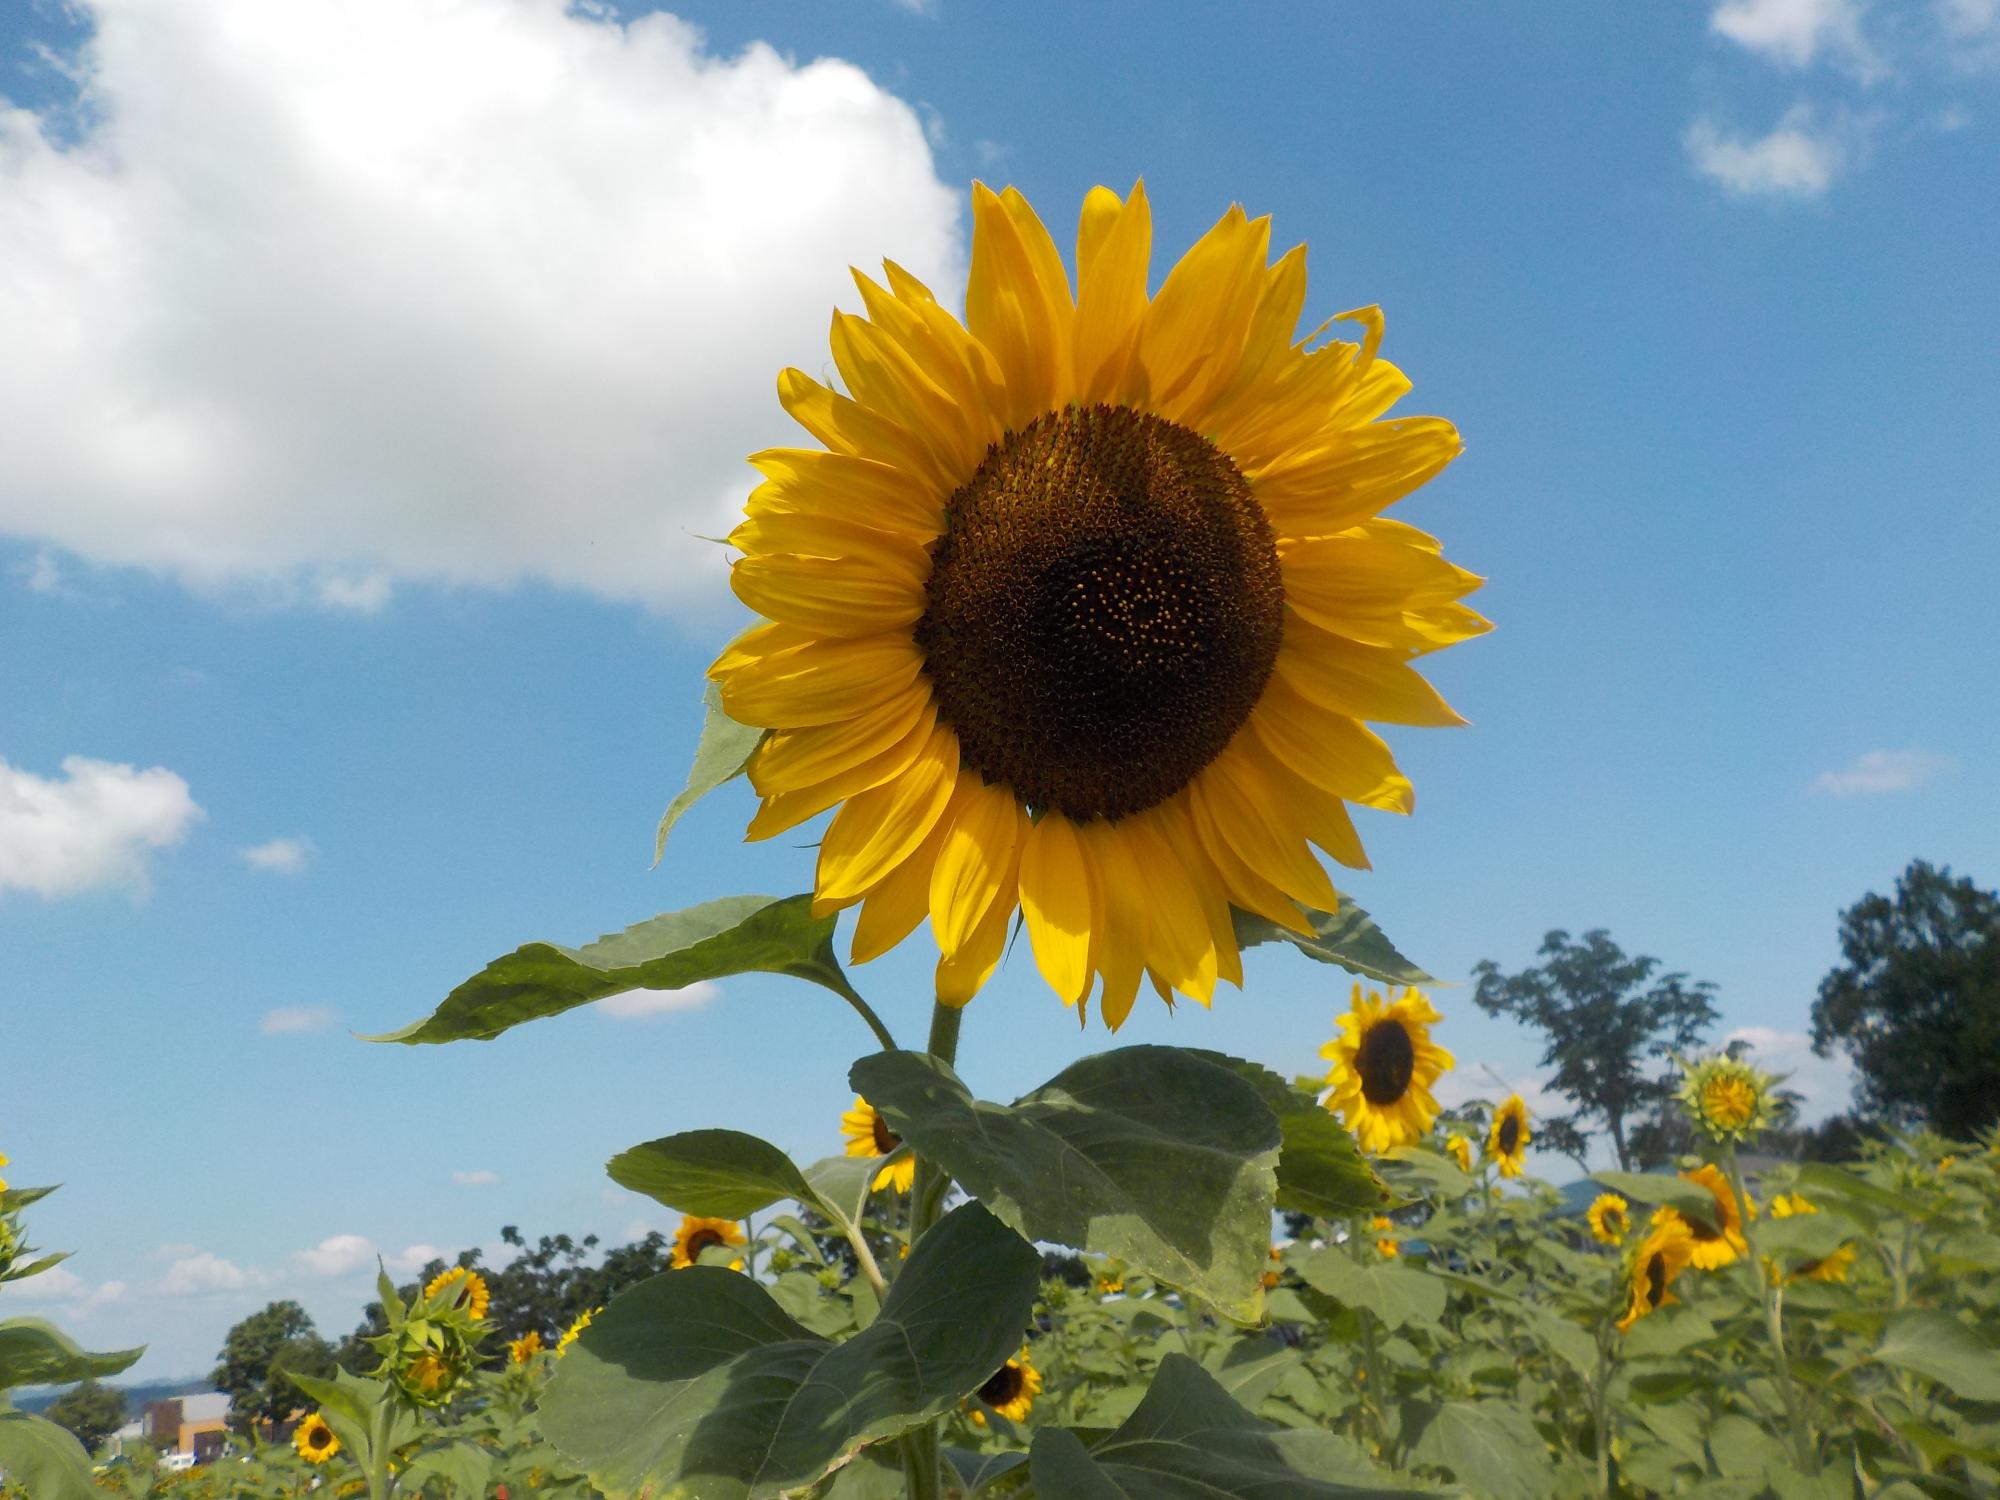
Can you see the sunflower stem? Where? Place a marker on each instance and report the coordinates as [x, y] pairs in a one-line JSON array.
[[1803, 1446], [921, 1476], [867, 1013]]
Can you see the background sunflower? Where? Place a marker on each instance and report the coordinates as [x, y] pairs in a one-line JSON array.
[[1384, 1064], [1508, 1136], [697, 1234]]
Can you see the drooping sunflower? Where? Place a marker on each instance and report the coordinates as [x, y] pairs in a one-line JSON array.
[[697, 1234], [1384, 1064], [314, 1440], [1011, 1389], [1508, 1136], [1610, 1218], [524, 1348], [1662, 1255], [1385, 1230], [571, 1333], [1726, 1097], [1460, 1150], [868, 1134], [1716, 1243], [462, 1289], [1082, 604]]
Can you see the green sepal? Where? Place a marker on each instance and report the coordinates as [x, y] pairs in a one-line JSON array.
[[721, 755]]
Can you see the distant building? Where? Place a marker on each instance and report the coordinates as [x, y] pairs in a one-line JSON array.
[[197, 1425]]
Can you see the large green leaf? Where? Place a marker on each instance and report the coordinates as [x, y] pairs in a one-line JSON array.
[[33, 1352], [1489, 1446], [695, 1384], [44, 1459], [720, 755], [1346, 936], [1156, 1156], [1937, 1345], [1320, 1168], [723, 1174], [1188, 1439], [736, 935], [1690, 1199], [1399, 1295]]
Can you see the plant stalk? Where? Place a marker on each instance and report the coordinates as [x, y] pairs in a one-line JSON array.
[[1804, 1449], [922, 1477]]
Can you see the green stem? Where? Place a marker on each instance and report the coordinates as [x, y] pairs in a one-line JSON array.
[[866, 1011], [1804, 1448], [1375, 1399], [921, 1474], [380, 1485]]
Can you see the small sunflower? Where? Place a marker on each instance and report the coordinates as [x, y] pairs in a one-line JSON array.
[[315, 1440], [1726, 1097], [1385, 1244], [524, 1348], [1508, 1136], [425, 1377], [569, 1336], [1459, 1149], [1110, 1284], [1715, 1244], [463, 1289], [868, 1134], [1082, 605], [1665, 1252], [697, 1234], [1833, 1267], [1384, 1064], [1275, 1272], [1610, 1219], [1011, 1389]]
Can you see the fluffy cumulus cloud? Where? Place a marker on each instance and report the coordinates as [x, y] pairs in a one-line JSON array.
[[335, 292], [338, 1255], [203, 1274], [282, 856], [1793, 33], [1881, 771], [91, 828], [642, 1005], [1798, 158], [61, 1284], [296, 1020]]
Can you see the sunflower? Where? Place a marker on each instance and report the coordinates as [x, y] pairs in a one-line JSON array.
[[472, 1297], [1833, 1267], [1665, 1252], [1384, 1064], [425, 1376], [1385, 1244], [1715, 1244], [1110, 1284], [868, 1134], [1508, 1136], [1726, 1097], [1610, 1218], [1081, 605], [524, 1348], [1275, 1272], [1459, 1149], [697, 1234], [315, 1440], [1011, 1389], [583, 1321]]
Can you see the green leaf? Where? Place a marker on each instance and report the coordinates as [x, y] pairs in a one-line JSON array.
[[1347, 936], [722, 1174], [43, 1458], [1940, 1347], [1803, 1237], [1398, 1295], [720, 755], [1437, 1173], [1491, 1446], [1188, 1439], [13, 1200], [840, 1186], [1666, 1332], [1155, 1156], [695, 1383], [1250, 1367], [466, 1467], [736, 935], [1320, 1169], [33, 1352], [1689, 1199]]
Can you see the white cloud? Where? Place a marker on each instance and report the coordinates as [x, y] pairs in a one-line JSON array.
[[413, 1258], [61, 1284], [338, 1255], [339, 291], [1882, 771], [204, 1272], [480, 1178], [1826, 1083], [1791, 33], [44, 575], [640, 1005], [92, 829], [1797, 159], [282, 856], [294, 1020]]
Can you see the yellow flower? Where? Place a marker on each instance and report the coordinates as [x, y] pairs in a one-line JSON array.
[[583, 1321], [1727, 1098], [315, 1440], [697, 1234], [1661, 1256], [1011, 1389], [1833, 1267], [868, 1134], [1384, 1064], [1945, 1164], [470, 1296], [1610, 1218], [1460, 1151], [1384, 1226], [524, 1348], [1508, 1136], [3, 1162], [1790, 1205], [425, 1375], [1081, 606], [1714, 1245], [1110, 1285]]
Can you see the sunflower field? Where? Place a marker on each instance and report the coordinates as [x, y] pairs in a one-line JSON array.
[[1075, 617]]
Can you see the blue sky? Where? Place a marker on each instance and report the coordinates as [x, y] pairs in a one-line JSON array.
[[368, 387]]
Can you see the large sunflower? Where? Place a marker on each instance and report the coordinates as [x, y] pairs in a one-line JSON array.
[[868, 1134], [1082, 604], [1661, 1256], [1508, 1136], [1384, 1064], [1719, 1240], [697, 1234]]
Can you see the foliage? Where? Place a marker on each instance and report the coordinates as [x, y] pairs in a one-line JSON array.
[[1916, 1002], [91, 1411], [259, 1352]]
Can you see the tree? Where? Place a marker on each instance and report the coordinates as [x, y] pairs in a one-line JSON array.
[[280, 1338], [90, 1411], [1605, 1016], [1917, 1002]]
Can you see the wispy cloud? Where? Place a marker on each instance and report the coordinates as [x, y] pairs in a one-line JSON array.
[[282, 856], [1797, 159], [412, 1258], [92, 828], [1793, 33], [1881, 771], [480, 1178], [338, 1255], [296, 1020], [61, 1284], [642, 1005]]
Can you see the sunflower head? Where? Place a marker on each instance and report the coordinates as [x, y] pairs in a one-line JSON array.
[[524, 1348], [1661, 1256], [697, 1234], [1610, 1218], [1718, 1240], [314, 1440], [1726, 1097], [1011, 1389], [868, 1134], [1080, 606], [1459, 1149], [571, 1333], [1384, 1064], [1508, 1136], [459, 1290]]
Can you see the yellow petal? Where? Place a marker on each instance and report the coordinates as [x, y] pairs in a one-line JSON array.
[[848, 596], [1242, 886], [822, 682], [877, 830], [1060, 902], [975, 865], [790, 760], [808, 535], [1011, 307], [1364, 682], [1339, 477], [1332, 751], [881, 375], [1178, 951], [960, 974], [1112, 257], [1192, 336], [897, 903], [1366, 590], [855, 489], [848, 427], [789, 809], [1252, 815], [1121, 951]]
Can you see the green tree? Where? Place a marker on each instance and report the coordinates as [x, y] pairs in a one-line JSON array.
[[91, 1411], [1917, 1002], [279, 1338], [1609, 1020]]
